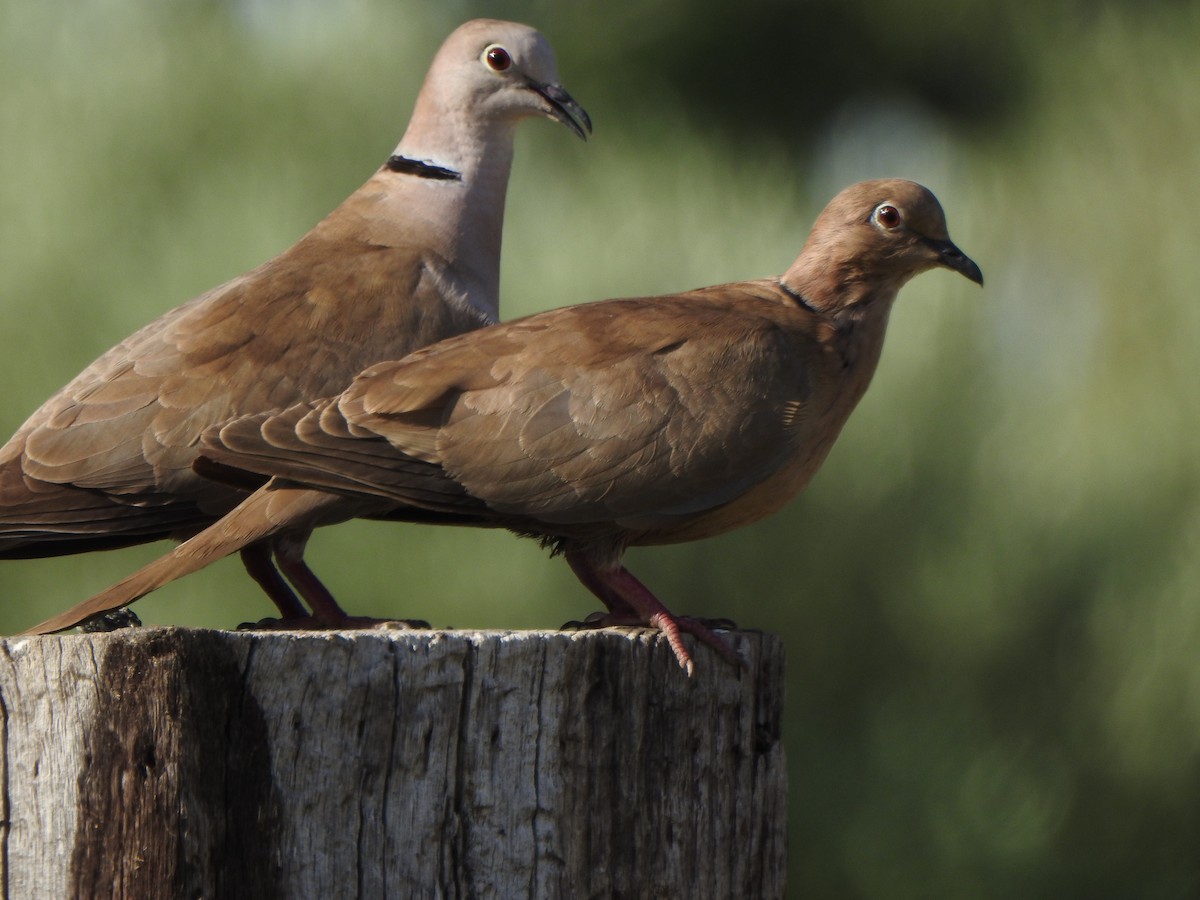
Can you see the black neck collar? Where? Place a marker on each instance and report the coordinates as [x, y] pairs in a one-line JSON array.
[[799, 298], [406, 166]]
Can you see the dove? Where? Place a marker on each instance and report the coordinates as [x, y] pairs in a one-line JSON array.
[[597, 427], [411, 257]]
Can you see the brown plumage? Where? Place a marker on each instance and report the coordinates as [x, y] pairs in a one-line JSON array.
[[595, 427], [411, 257]]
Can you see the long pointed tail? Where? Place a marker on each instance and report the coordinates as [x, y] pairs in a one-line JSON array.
[[261, 515]]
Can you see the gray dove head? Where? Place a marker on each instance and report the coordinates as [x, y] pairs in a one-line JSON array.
[[502, 72]]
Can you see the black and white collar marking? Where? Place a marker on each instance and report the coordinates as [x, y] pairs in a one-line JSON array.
[[421, 169]]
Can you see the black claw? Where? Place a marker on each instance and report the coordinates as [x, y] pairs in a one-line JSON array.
[[113, 620]]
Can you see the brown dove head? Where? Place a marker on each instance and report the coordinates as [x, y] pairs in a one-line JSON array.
[[502, 72], [871, 239]]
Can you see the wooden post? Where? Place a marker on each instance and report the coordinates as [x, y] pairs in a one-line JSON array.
[[165, 762]]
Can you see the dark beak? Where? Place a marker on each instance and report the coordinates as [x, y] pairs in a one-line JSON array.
[[953, 258], [564, 108]]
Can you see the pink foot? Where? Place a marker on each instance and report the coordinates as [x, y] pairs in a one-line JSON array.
[[325, 623], [631, 603]]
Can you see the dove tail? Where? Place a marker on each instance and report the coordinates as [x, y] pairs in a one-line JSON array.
[[263, 514]]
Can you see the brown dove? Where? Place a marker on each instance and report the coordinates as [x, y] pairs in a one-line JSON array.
[[597, 427], [409, 258]]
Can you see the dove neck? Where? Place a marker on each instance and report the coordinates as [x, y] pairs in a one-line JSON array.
[[466, 216], [838, 286], [446, 198], [855, 303]]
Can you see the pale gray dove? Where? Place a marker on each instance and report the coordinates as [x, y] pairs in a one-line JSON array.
[[409, 258]]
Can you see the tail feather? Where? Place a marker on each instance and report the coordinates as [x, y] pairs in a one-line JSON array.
[[262, 515]]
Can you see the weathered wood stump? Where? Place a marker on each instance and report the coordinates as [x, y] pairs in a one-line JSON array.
[[164, 763]]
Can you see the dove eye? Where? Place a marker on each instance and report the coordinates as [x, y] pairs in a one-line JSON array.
[[887, 216], [497, 58]]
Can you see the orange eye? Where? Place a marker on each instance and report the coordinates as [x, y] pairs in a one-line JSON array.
[[497, 58], [887, 216]]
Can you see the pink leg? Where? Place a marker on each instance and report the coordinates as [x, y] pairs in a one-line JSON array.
[[631, 603], [257, 560], [619, 612], [304, 580], [326, 613]]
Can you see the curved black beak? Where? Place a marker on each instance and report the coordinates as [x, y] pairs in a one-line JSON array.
[[564, 108], [953, 258]]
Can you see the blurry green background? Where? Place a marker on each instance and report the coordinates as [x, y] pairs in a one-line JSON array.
[[989, 594]]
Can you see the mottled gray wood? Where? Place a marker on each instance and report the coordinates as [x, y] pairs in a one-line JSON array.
[[159, 762]]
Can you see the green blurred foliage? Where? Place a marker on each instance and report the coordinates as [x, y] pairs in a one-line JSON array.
[[988, 594]]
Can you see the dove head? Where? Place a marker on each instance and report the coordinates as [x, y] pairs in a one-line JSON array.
[[447, 178], [497, 73], [870, 240]]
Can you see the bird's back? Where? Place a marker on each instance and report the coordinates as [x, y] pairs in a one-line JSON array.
[[125, 429], [644, 420]]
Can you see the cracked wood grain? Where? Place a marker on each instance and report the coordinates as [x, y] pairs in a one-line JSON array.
[[192, 763]]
